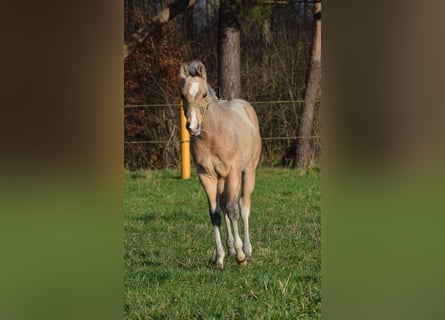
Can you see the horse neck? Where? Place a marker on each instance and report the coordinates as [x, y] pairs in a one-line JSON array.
[[209, 124]]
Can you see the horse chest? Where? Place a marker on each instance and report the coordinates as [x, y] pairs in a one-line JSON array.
[[209, 160]]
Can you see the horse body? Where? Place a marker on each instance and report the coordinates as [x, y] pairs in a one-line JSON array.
[[221, 145], [225, 146]]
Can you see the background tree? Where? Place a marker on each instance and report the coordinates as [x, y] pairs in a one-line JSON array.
[[303, 150], [229, 50]]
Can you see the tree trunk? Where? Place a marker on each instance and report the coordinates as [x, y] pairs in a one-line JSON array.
[[155, 23], [189, 23], [126, 18], [209, 14], [303, 150], [229, 50], [265, 52]]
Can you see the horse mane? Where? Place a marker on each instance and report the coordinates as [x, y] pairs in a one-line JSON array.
[[212, 92]]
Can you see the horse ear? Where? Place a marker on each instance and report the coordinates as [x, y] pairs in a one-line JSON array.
[[184, 70], [201, 70]]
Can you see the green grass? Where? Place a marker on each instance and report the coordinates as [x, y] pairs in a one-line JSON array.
[[169, 250]]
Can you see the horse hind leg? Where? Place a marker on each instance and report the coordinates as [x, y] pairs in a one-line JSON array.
[[233, 211], [230, 241], [248, 183], [223, 205]]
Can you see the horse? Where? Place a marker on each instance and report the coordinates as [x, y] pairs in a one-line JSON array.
[[225, 145]]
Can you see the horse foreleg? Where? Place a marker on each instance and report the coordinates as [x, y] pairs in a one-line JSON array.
[[215, 217], [210, 188]]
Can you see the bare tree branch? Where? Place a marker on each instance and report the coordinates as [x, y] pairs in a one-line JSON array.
[[172, 10]]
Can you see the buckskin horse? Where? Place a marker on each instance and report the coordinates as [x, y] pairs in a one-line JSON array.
[[225, 145]]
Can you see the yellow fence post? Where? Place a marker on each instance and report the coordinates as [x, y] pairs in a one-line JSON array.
[[185, 146]]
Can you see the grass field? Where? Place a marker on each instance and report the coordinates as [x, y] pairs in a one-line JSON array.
[[169, 250]]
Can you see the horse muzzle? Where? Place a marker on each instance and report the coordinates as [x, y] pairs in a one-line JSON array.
[[195, 131]]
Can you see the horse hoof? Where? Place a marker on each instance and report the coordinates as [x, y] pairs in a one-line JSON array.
[[242, 263], [219, 266], [249, 258]]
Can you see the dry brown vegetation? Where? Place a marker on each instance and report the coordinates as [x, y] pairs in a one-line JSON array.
[[275, 53]]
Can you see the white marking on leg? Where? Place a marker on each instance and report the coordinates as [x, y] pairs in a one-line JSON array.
[[248, 182], [245, 212], [194, 88], [219, 248]]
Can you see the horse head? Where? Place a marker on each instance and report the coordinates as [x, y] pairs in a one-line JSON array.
[[194, 94]]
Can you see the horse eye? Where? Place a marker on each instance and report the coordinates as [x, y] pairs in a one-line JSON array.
[[204, 95]]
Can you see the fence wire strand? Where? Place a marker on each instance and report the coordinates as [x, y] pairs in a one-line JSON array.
[[179, 141], [257, 103]]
